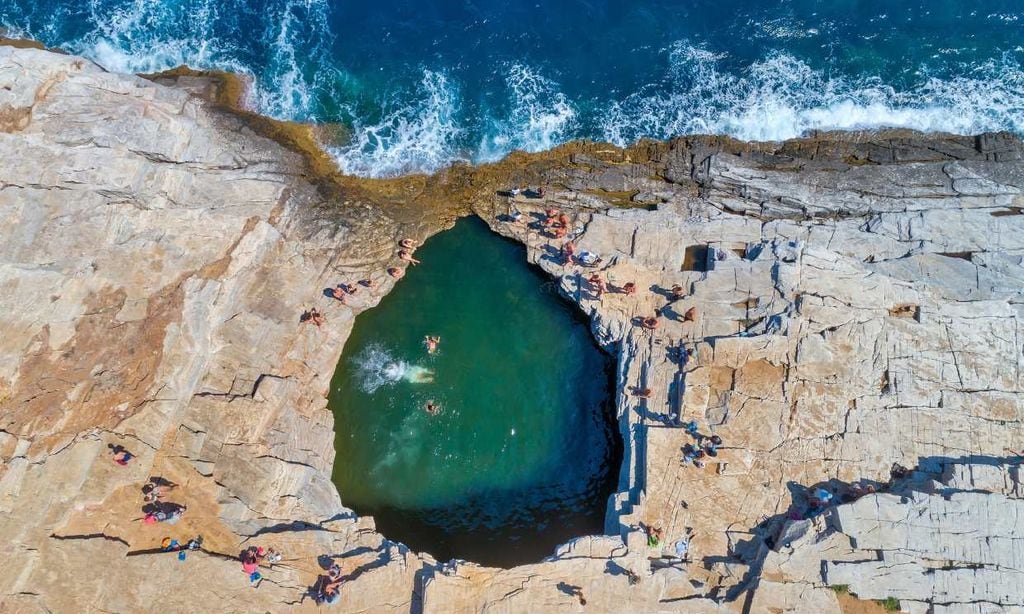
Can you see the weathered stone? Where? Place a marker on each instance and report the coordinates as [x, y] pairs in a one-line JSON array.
[[856, 302]]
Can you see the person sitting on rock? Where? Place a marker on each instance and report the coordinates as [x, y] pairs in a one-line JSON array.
[[407, 257], [368, 283], [820, 498], [250, 558], [654, 535], [600, 287], [568, 250], [712, 447], [678, 292], [313, 316], [690, 315], [407, 244], [698, 461], [642, 393], [151, 493], [649, 323], [330, 592], [396, 272], [629, 288], [338, 293]]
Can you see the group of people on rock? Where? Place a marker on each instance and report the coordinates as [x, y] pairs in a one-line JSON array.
[[702, 448], [327, 590], [343, 291], [155, 506], [556, 223]]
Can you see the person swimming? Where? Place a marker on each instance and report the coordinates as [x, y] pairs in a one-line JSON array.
[[432, 408], [395, 371], [431, 342]]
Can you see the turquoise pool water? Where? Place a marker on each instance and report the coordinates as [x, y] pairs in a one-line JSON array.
[[524, 452]]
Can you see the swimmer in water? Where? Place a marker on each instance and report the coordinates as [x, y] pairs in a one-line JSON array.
[[419, 375], [431, 343], [432, 408]]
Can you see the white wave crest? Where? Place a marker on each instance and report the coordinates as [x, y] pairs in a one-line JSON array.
[[145, 36], [417, 136], [782, 97], [540, 116]]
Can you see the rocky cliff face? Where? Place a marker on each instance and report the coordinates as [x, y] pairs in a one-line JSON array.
[[856, 303]]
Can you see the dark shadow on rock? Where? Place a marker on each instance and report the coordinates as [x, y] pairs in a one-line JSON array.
[[903, 481]]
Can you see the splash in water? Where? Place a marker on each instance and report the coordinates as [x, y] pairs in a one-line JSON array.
[[377, 367]]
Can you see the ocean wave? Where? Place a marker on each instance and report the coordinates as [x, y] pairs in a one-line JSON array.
[[147, 36], [539, 116], [417, 132], [782, 97], [446, 114]]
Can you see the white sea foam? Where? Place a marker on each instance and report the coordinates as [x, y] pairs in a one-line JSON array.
[[782, 97], [539, 116], [416, 132], [142, 36], [431, 124], [377, 367]]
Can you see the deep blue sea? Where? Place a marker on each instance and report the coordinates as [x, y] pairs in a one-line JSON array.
[[423, 83]]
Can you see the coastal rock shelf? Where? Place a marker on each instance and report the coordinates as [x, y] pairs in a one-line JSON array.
[[856, 303]]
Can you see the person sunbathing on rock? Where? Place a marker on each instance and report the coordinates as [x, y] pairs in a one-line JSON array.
[[396, 272], [649, 323], [407, 256], [642, 393], [338, 293], [313, 316], [121, 455], [629, 288], [407, 244]]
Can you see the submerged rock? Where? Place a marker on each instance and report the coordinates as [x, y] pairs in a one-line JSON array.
[[850, 301]]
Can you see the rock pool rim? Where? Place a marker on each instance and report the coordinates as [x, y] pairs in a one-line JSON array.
[[429, 529]]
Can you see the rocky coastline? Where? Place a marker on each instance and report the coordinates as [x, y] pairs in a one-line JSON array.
[[856, 305]]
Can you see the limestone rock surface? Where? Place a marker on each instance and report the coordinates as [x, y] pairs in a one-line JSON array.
[[849, 302]]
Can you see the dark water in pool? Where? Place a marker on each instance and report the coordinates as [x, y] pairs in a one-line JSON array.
[[524, 452]]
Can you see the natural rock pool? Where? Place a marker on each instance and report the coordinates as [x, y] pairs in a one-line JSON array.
[[525, 449]]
